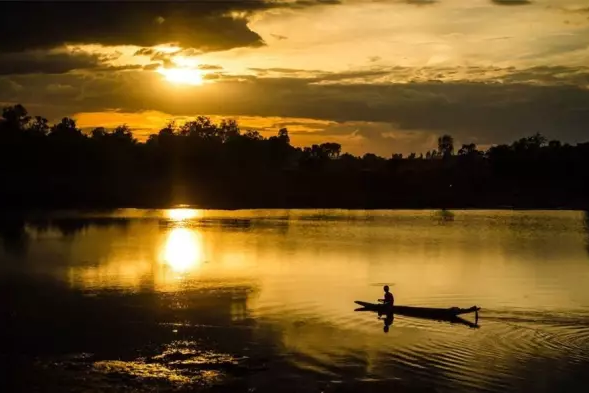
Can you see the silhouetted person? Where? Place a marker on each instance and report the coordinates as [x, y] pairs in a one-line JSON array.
[[389, 299]]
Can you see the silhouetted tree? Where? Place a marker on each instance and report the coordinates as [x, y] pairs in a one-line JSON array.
[[99, 133], [229, 129], [469, 149], [283, 135], [123, 134], [331, 150], [555, 144], [15, 117], [348, 161], [66, 129], [253, 135], [218, 164], [446, 145], [39, 126], [202, 128], [531, 143]]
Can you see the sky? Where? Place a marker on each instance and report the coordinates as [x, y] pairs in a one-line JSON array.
[[380, 76]]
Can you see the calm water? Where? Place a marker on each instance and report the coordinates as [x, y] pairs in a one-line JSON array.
[[157, 300]]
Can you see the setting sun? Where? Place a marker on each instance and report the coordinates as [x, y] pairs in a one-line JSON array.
[[182, 76]]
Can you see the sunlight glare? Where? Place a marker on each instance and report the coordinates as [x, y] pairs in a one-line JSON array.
[[182, 214], [185, 62], [167, 48], [182, 250], [182, 76]]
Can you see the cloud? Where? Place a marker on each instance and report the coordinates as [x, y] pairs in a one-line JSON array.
[[211, 77], [145, 52], [10, 91], [540, 75], [280, 71], [152, 66], [42, 62], [421, 2], [61, 91], [485, 112], [204, 25], [279, 37], [209, 67], [511, 2]]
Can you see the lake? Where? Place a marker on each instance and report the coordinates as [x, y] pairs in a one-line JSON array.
[[263, 300]]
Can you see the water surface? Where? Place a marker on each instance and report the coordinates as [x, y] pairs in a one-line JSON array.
[[181, 299]]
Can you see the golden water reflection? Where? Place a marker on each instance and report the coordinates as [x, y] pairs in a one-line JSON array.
[[183, 214], [182, 250], [300, 284]]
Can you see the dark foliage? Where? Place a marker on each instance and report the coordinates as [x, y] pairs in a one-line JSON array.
[[218, 165]]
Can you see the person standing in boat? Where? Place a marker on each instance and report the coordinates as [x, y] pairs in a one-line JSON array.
[[388, 297]]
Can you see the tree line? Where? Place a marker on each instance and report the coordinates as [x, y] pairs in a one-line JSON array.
[[210, 164]]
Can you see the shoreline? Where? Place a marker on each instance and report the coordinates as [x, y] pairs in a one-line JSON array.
[[41, 209]]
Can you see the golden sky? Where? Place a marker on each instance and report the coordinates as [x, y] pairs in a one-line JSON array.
[[382, 76]]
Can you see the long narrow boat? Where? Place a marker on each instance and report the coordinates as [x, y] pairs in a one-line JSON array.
[[425, 312]]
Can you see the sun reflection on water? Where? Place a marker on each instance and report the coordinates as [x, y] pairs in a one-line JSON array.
[[183, 214], [182, 250]]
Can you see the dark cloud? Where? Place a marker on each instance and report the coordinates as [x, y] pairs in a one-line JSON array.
[[41, 62], [421, 2], [50, 24], [309, 3], [125, 67], [349, 75], [205, 25], [317, 76], [211, 77], [412, 2], [481, 111], [511, 2], [10, 91], [145, 52], [281, 70], [152, 66], [279, 37], [209, 67], [553, 75]]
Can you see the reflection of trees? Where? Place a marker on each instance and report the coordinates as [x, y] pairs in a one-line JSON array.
[[445, 216], [15, 237], [72, 226], [238, 224], [213, 164], [13, 234]]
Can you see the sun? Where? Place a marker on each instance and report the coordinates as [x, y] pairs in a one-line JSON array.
[[182, 76]]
